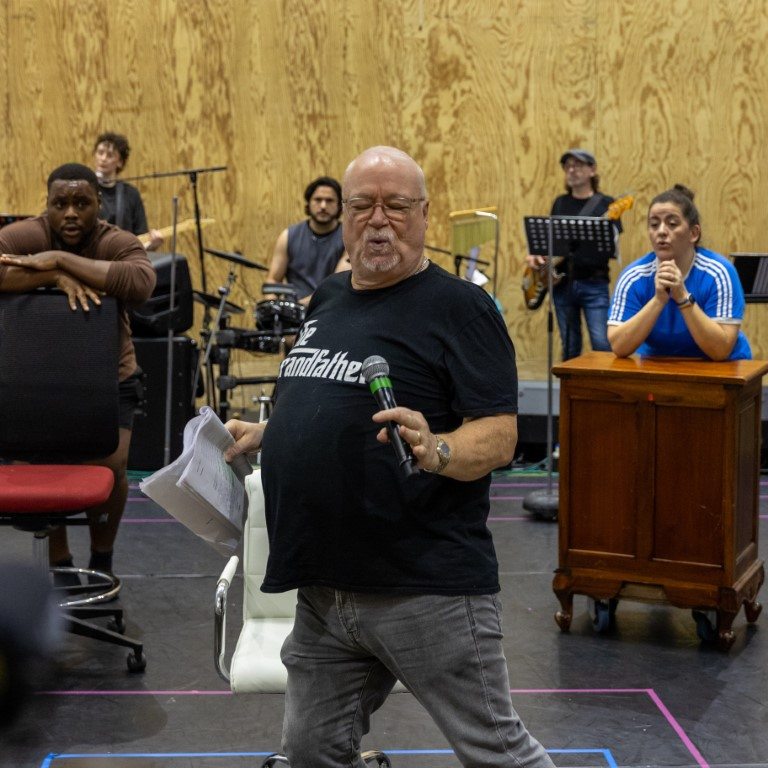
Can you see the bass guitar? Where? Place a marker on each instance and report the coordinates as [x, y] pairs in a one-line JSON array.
[[536, 279]]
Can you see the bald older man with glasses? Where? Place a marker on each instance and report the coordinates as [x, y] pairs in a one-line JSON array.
[[396, 572]]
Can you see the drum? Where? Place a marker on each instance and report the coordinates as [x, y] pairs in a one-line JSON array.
[[251, 341], [259, 341], [278, 315]]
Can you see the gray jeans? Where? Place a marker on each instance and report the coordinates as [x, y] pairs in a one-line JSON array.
[[347, 650]]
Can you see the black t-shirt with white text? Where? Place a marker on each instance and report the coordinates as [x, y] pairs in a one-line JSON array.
[[340, 512]]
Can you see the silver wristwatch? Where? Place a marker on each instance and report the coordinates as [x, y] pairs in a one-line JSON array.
[[443, 455]]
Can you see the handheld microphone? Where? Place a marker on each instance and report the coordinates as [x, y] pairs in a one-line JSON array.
[[376, 374]]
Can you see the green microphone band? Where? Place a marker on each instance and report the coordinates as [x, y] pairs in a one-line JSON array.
[[379, 382]]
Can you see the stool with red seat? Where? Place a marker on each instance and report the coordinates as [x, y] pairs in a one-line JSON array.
[[38, 497]]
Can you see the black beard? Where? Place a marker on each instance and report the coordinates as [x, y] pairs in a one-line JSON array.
[[322, 222]]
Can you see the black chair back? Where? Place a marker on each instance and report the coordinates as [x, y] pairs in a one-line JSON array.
[[58, 378]]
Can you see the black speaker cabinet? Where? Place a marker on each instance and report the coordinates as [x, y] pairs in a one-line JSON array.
[[155, 317], [148, 438]]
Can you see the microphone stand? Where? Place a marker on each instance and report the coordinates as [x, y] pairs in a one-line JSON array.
[[192, 173], [457, 257], [169, 351]]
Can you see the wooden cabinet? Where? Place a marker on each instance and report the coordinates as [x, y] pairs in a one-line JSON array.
[[659, 485]]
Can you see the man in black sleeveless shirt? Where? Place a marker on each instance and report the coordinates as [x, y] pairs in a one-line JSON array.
[[307, 252]]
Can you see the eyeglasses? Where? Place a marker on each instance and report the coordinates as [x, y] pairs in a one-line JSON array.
[[394, 208]]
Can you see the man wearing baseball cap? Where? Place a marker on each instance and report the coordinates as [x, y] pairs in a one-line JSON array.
[[579, 154], [581, 277]]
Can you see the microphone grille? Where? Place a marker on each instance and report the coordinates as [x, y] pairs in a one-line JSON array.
[[373, 367]]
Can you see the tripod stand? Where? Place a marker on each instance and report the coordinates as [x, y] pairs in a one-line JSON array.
[[548, 236]]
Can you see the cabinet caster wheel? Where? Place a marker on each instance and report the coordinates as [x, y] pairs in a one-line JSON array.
[[705, 629], [752, 611], [563, 620], [604, 614], [725, 640], [137, 662]]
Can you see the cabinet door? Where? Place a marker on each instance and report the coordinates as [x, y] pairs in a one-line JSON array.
[[693, 452], [601, 477]]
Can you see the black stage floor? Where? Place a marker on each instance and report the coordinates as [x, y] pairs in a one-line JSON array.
[[645, 694]]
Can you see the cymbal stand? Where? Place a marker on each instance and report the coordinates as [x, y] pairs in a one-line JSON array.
[[221, 356], [210, 332]]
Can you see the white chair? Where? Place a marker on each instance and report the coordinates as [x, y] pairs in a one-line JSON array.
[[255, 666]]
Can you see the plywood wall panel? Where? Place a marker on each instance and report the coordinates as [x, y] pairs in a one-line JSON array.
[[486, 95]]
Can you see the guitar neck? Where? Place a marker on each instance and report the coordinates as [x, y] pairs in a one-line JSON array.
[[188, 225]]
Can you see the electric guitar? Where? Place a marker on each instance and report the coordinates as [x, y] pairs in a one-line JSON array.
[[536, 279], [182, 226]]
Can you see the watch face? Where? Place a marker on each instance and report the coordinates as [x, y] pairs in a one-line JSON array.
[[443, 454]]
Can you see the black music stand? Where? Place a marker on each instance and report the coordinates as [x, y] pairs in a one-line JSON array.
[[549, 236], [752, 269]]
